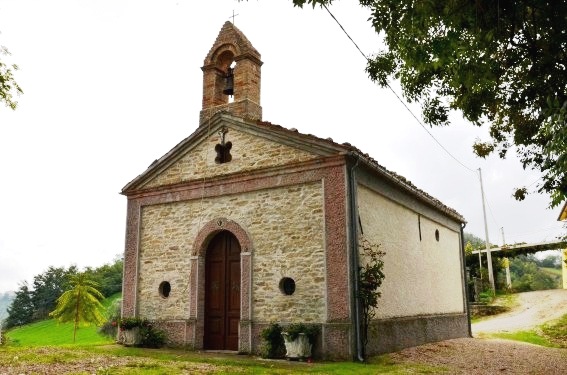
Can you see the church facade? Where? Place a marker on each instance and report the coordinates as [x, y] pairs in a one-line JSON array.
[[245, 223]]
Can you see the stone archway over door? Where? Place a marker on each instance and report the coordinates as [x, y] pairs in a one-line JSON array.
[[222, 292]]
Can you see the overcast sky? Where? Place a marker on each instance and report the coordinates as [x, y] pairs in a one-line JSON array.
[[111, 85]]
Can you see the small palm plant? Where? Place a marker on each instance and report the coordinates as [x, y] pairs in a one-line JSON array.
[[80, 304]]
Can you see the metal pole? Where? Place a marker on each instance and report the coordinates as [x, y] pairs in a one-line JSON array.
[[508, 277], [488, 254]]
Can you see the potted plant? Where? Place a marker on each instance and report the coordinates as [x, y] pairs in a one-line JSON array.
[[299, 339], [130, 329]]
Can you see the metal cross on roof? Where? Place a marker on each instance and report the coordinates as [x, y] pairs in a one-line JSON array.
[[233, 15]]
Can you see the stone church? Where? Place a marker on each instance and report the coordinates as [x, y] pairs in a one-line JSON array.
[[244, 223]]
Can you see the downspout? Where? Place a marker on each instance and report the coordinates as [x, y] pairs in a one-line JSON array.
[[353, 210], [466, 293]]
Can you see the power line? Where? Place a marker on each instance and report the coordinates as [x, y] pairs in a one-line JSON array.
[[491, 213], [535, 181], [397, 96]]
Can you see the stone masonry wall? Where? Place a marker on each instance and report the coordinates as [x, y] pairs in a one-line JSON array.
[[286, 226], [248, 152], [423, 275]]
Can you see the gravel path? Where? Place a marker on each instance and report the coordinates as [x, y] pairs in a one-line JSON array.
[[486, 356], [535, 308], [494, 356]]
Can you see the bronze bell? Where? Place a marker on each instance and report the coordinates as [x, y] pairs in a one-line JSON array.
[[228, 82]]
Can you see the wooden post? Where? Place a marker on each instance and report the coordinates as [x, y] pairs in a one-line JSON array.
[[564, 268]]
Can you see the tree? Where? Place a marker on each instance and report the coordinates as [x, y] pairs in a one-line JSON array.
[[550, 261], [8, 86], [526, 276], [21, 309], [80, 304], [476, 242], [501, 63], [108, 276], [47, 287]]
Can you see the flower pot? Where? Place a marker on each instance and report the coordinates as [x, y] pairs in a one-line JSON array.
[[131, 336], [299, 348]]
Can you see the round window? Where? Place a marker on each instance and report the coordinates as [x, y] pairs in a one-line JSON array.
[[287, 286], [164, 289]]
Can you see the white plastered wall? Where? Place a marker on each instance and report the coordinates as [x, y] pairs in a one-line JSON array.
[[423, 276]]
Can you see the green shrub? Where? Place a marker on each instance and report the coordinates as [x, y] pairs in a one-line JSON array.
[[110, 327], [485, 297], [274, 346], [129, 323], [310, 330], [151, 336]]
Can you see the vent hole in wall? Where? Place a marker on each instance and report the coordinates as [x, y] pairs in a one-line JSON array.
[[437, 234], [287, 286], [164, 289]]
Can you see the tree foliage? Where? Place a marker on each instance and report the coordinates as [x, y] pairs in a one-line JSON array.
[[8, 85], [501, 63], [550, 261], [47, 287], [476, 242], [21, 309], [526, 275], [80, 304], [108, 276]]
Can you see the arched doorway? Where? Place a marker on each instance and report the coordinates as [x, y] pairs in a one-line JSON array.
[[222, 292]]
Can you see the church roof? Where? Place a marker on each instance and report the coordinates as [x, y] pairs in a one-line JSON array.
[[395, 178]]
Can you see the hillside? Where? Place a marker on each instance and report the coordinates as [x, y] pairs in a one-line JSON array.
[[556, 274], [51, 332]]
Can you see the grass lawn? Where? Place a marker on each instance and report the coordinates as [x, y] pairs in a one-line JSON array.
[[532, 337], [553, 334], [115, 359], [47, 347], [51, 332]]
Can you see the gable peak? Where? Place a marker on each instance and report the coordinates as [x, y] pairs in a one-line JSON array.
[[231, 35]]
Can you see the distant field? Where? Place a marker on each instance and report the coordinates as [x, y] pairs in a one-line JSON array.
[[556, 274], [50, 332], [552, 271]]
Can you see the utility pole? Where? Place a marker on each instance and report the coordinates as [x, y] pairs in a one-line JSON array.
[[488, 253], [507, 261]]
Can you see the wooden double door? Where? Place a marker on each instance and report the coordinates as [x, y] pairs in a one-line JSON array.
[[222, 292]]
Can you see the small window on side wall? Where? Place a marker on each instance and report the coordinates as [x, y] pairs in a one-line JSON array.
[[437, 235], [164, 289], [287, 286]]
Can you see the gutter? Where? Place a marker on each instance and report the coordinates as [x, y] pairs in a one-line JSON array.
[[353, 210], [466, 287]]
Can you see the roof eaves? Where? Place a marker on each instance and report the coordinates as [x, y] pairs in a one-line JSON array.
[[408, 186]]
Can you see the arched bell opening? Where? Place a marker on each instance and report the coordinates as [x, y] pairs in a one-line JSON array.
[[226, 64]]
